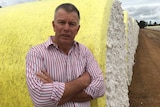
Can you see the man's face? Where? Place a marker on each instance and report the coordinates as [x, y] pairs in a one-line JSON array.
[[66, 26]]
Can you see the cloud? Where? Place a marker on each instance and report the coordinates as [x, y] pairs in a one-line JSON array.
[[5, 3], [143, 10]]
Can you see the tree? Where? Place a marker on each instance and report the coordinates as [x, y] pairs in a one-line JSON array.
[[142, 24], [150, 23], [155, 23]]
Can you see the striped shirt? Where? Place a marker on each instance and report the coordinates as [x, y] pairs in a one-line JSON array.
[[61, 68]]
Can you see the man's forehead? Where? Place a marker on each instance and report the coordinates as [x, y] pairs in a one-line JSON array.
[[62, 12]]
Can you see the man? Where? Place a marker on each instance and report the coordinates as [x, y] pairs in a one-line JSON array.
[[62, 72]]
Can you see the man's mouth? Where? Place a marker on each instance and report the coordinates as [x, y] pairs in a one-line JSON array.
[[65, 35]]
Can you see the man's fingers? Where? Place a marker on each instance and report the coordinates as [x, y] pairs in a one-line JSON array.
[[44, 72], [44, 77], [40, 75]]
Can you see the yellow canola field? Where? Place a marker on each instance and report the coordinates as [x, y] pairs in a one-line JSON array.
[[25, 25]]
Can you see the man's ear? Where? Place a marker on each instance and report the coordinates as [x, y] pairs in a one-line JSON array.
[[53, 25], [78, 28]]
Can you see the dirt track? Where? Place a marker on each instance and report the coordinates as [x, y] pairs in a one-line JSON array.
[[144, 90]]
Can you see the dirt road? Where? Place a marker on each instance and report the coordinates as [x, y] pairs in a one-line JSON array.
[[144, 90]]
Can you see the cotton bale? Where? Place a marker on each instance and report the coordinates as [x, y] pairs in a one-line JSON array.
[[116, 80], [132, 45], [29, 24], [153, 27], [25, 25]]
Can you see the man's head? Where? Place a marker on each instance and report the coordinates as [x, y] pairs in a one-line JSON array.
[[68, 7], [66, 23]]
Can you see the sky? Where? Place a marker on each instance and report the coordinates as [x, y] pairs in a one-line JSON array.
[[5, 3], [146, 10]]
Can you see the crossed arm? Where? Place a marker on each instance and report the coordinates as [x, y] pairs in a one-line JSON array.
[[45, 91], [73, 89]]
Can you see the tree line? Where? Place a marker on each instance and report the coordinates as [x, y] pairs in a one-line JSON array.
[[142, 24]]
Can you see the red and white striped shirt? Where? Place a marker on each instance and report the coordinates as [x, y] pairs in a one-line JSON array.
[[61, 68]]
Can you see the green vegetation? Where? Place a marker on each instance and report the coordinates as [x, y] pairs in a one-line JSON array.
[[142, 24]]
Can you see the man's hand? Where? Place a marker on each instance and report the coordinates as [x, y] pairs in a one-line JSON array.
[[75, 87], [44, 77]]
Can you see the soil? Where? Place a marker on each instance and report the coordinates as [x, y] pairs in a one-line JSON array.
[[144, 90]]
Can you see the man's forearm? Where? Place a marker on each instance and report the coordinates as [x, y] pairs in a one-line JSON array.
[[74, 87], [81, 97]]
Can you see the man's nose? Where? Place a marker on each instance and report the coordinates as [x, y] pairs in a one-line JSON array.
[[66, 27]]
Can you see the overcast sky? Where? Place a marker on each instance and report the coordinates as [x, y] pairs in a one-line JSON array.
[[4, 3], [147, 10]]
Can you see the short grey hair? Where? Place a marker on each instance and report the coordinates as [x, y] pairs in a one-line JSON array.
[[68, 7]]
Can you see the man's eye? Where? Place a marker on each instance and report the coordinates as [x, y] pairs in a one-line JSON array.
[[61, 22], [72, 24]]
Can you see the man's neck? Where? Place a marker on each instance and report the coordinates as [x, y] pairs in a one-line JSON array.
[[63, 47]]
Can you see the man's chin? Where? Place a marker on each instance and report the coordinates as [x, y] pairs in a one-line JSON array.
[[66, 42]]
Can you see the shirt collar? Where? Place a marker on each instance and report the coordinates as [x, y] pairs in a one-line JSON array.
[[49, 42]]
